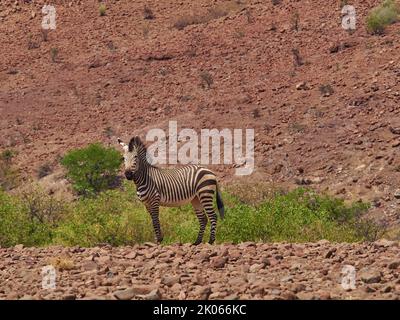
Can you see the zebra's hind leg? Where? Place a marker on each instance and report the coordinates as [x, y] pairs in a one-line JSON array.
[[154, 208], [206, 199], [201, 216]]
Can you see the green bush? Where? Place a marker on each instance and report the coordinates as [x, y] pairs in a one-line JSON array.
[[117, 217], [113, 217], [31, 218], [382, 16], [92, 169]]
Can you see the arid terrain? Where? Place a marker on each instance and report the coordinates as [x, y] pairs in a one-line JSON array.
[[244, 271], [324, 103]]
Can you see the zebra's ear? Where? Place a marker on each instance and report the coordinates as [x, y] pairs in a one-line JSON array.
[[124, 145], [135, 142]]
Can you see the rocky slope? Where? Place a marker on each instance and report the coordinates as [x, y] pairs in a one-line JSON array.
[[244, 271], [324, 102]]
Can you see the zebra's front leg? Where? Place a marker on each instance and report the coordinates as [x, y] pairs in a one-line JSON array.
[[154, 209]]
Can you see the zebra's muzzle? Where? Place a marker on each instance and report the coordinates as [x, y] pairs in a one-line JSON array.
[[129, 175]]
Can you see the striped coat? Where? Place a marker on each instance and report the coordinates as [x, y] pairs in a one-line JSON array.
[[173, 187]]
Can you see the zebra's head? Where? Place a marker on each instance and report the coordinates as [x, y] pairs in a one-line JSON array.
[[130, 158]]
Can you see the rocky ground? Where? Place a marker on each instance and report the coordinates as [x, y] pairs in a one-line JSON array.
[[225, 271]]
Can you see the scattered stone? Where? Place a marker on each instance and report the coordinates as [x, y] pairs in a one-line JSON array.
[[170, 280], [385, 243], [330, 253], [289, 296], [394, 265], [369, 289], [18, 247], [261, 271], [131, 255], [394, 130], [219, 262], [126, 294], [387, 289], [153, 295], [202, 293], [256, 267], [371, 276], [89, 265], [302, 86]]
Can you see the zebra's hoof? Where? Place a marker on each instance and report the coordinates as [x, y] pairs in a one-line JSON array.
[[211, 241], [196, 243]]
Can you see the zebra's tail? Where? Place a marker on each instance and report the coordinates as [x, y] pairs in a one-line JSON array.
[[220, 204]]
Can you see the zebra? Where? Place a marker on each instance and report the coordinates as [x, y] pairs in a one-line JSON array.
[[172, 187]]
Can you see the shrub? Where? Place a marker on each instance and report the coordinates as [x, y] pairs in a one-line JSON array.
[[41, 207], [7, 156], [148, 13], [44, 170], [8, 175], [298, 60], [295, 19], [102, 9], [382, 16], [206, 79], [326, 90], [111, 218], [54, 54], [92, 169], [298, 216], [45, 34], [117, 217], [30, 219]]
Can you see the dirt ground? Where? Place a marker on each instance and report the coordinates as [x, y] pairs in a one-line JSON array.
[[320, 270]]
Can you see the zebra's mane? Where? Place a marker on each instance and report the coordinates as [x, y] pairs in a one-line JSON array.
[[136, 142], [140, 147]]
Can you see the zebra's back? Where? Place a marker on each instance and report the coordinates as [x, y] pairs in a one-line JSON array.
[[177, 186]]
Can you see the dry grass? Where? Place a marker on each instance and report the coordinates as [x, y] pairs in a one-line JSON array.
[[62, 263], [326, 90], [252, 193], [380, 17], [44, 170], [9, 177], [102, 9], [148, 13], [206, 79], [54, 54]]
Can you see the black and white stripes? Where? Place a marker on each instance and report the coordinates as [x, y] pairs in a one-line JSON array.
[[172, 187]]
